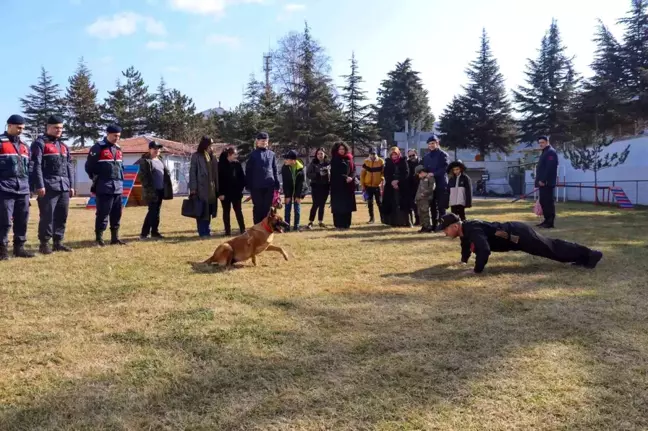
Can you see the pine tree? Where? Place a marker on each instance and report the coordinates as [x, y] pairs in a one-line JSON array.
[[160, 123], [587, 154], [133, 105], [358, 128], [402, 98], [634, 52], [83, 113], [454, 125], [44, 101], [546, 102]]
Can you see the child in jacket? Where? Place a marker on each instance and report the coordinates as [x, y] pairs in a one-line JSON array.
[[459, 189], [424, 194], [293, 177]]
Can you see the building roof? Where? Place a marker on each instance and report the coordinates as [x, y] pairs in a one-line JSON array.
[[139, 145]]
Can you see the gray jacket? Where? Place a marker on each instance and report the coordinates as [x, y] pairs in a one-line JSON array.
[[199, 178]]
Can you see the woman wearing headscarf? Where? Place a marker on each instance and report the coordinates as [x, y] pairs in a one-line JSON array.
[[396, 195], [343, 202], [203, 184]]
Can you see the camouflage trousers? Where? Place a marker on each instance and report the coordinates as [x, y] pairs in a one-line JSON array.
[[423, 208]]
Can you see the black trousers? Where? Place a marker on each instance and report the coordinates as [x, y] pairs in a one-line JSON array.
[[151, 223], [262, 202], [108, 206], [374, 193], [319, 194], [53, 209], [16, 206], [228, 204], [548, 204], [534, 243], [342, 220], [459, 210]]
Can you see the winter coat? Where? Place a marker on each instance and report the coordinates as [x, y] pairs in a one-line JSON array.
[[396, 200], [460, 191], [231, 178], [199, 180], [314, 172], [145, 177], [293, 178], [372, 173], [437, 162], [261, 170], [425, 189], [547, 169], [342, 193]]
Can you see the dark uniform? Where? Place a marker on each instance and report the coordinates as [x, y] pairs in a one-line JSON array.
[[14, 191], [52, 171], [482, 238], [106, 169], [547, 173]]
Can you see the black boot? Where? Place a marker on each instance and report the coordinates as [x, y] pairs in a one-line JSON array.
[[19, 251], [4, 252], [44, 248], [59, 246], [114, 237], [99, 239]]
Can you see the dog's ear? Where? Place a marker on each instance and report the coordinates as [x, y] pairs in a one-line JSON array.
[[273, 212]]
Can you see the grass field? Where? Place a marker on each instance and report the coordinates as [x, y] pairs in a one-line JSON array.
[[370, 329]]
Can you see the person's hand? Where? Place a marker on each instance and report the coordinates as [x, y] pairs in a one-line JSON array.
[[192, 193], [430, 175], [541, 183], [72, 193], [40, 192], [349, 179], [221, 198]]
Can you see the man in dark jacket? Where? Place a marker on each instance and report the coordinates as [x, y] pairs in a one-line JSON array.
[[14, 189], [412, 162], [436, 162], [156, 184], [53, 181], [261, 177], [294, 179], [545, 181], [482, 238], [105, 168]]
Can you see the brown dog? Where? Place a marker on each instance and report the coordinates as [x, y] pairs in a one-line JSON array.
[[254, 241]]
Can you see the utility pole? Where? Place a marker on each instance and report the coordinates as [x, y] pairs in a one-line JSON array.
[[266, 70]]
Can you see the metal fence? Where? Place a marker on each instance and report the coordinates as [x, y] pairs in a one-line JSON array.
[[585, 191]]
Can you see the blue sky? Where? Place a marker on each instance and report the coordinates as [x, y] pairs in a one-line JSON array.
[[208, 48]]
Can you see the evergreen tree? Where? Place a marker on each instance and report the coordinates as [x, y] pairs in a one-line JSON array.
[[402, 98], [133, 105], [634, 53], [358, 128], [83, 113], [44, 101], [161, 111], [454, 125], [587, 154], [546, 102]]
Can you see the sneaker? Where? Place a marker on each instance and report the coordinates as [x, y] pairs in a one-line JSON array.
[[287, 229], [297, 229], [322, 225], [309, 226], [594, 258], [157, 235], [4, 252], [143, 237], [45, 248], [19, 251], [371, 221], [59, 246]]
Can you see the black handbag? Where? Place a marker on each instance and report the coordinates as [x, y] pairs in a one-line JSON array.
[[192, 208]]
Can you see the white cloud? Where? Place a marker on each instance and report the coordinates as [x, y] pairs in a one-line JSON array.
[[294, 7], [231, 42], [207, 7], [124, 24]]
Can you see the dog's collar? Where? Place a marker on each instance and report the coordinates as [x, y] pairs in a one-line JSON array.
[[266, 226]]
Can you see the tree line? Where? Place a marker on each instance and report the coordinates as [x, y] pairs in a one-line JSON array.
[[301, 107]]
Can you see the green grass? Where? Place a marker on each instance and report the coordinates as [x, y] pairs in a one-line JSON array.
[[370, 329]]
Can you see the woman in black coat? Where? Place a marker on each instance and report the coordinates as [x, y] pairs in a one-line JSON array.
[[231, 180], [343, 203], [396, 195], [319, 175]]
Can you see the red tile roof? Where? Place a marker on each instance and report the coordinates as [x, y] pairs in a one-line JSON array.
[[139, 145]]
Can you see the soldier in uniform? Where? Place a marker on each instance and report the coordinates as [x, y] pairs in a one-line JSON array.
[[53, 182], [14, 189], [106, 169], [482, 238]]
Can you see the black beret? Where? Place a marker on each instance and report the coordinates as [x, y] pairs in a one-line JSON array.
[[16, 119], [448, 220], [113, 128], [262, 135], [55, 119]]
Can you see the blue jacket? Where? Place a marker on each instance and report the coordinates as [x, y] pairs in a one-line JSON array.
[[14, 165], [437, 162], [105, 167], [261, 170], [51, 165], [547, 169]]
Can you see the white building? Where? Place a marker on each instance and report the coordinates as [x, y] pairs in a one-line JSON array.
[[176, 158]]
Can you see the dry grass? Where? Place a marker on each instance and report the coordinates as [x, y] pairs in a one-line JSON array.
[[368, 329]]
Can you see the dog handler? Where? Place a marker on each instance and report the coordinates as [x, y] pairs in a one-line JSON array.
[[482, 238]]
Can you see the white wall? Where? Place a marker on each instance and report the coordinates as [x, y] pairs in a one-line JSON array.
[[635, 168]]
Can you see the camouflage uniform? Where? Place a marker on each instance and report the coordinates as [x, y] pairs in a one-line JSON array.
[[424, 195]]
